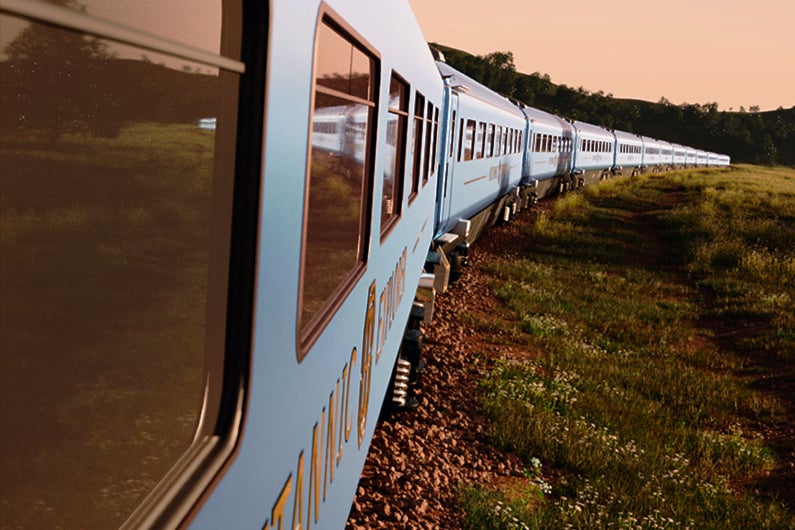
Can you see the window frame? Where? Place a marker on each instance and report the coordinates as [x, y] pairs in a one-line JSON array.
[[182, 490], [399, 162], [417, 131], [308, 333]]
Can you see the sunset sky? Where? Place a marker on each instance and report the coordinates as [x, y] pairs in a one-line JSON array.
[[733, 52]]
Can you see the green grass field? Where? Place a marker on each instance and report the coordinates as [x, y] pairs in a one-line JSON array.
[[657, 314]]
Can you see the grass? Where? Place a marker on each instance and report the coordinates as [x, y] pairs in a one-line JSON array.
[[650, 305]]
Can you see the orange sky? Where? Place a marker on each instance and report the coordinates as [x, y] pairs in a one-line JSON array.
[[733, 52]]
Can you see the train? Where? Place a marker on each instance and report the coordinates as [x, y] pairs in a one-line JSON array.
[[224, 228]]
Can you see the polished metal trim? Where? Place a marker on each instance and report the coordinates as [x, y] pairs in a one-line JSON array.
[[69, 18]]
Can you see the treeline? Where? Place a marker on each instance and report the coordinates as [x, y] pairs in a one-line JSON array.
[[754, 137], [57, 82]]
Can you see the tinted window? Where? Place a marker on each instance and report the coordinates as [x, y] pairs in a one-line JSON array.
[[335, 228], [428, 142], [419, 122], [115, 165], [469, 140], [480, 140], [392, 194]]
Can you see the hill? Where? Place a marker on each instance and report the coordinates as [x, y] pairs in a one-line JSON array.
[[754, 137]]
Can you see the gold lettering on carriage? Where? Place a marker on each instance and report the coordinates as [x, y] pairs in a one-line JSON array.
[[333, 430]]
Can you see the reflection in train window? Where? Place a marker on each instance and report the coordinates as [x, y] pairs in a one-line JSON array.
[[453, 132], [428, 143], [112, 160], [419, 121], [435, 148], [338, 180], [490, 140], [397, 120], [480, 140], [469, 140]]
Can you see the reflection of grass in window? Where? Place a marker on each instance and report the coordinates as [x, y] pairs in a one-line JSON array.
[[104, 245], [333, 228]]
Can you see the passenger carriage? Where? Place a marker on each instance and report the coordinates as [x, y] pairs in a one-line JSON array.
[[593, 153], [240, 292], [482, 155], [549, 154], [690, 157], [680, 156], [652, 155], [629, 154]]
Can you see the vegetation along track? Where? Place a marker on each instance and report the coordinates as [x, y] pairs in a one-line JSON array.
[[419, 460]]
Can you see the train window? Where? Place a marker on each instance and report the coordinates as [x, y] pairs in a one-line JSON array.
[[469, 140], [461, 132], [490, 140], [338, 182], [452, 134], [419, 120], [428, 143], [434, 148], [497, 136], [481, 140], [117, 165], [397, 123]]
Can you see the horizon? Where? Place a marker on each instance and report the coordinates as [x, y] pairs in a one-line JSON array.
[[754, 39]]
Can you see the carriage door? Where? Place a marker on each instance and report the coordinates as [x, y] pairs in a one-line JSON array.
[[453, 152]]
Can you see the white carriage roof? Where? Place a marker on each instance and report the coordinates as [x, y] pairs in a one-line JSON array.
[[588, 128], [474, 89], [540, 116], [627, 137]]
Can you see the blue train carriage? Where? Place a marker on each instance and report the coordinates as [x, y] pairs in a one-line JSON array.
[[549, 154], [629, 154], [225, 230], [701, 158], [652, 155], [480, 164], [680, 156], [717, 160], [690, 156], [593, 154], [666, 155], [346, 222]]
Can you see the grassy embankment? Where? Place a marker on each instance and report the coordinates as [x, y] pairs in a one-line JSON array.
[[658, 315]]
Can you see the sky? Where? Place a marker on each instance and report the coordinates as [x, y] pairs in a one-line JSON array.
[[732, 52]]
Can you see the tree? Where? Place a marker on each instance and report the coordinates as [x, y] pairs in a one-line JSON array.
[[48, 64]]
